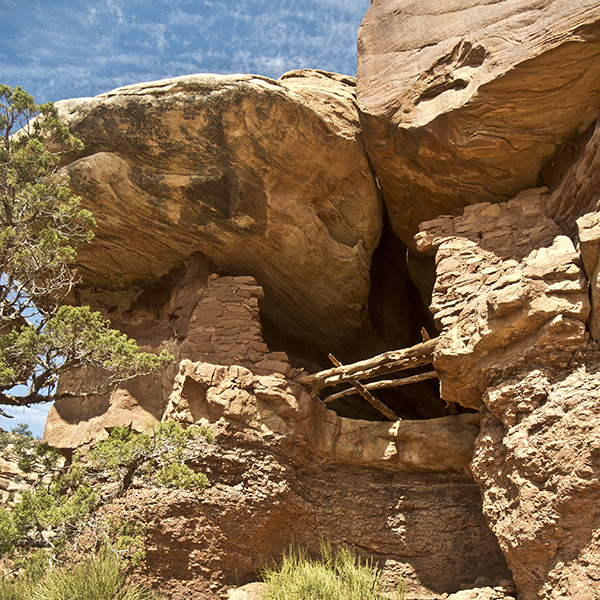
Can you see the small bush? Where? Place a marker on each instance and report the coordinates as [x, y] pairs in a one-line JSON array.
[[337, 576], [99, 578], [63, 501], [181, 476], [126, 454]]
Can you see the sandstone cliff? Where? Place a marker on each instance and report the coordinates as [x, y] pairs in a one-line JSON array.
[[267, 178], [241, 226], [468, 101]]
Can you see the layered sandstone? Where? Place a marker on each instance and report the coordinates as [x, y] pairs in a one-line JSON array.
[[283, 466], [216, 193], [468, 101], [511, 300], [266, 178], [509, 288], [271, 404]]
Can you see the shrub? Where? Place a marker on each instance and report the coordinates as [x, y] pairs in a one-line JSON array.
[[181, 476], [125, 454], [98, 578], [337, 576], [42, 524]]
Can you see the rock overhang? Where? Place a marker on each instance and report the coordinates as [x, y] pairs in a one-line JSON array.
[[470, 101], [267, 178]]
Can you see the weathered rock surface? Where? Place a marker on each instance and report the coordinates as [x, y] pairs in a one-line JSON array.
[[574, 204], [200, 315], [467, 101], [266, 489], [537, 461], [267, 178], [283, 467], [484, 593], [578, 190], [509, 289], [511, 300], [271, 404]]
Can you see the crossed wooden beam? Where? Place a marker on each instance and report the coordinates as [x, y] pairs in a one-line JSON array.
[[382, 364]]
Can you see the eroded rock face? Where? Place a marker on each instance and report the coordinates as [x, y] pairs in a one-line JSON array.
[[271, 404], [578, 191], [509, 288], [283, 466], [467, 101], [511, 301], [537, 461], [267, 178], [267, 489], [196, 315], [574, 204]]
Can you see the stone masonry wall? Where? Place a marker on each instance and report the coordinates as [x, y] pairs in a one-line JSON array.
[[225, 328]]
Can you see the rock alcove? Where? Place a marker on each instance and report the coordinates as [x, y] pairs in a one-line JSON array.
[[253, 226]]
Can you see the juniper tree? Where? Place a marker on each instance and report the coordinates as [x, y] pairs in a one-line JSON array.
[[41, 225]]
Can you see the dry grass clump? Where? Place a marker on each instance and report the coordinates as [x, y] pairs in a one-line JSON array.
[[339, 575]]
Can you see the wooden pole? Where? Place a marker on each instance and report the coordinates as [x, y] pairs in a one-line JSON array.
[[364, 392], [386, 363], [386, 383]]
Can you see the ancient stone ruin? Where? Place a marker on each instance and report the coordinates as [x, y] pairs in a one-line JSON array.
[[434, 226]]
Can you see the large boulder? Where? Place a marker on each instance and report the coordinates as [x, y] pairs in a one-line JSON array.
[[467, 101], [267, 178]]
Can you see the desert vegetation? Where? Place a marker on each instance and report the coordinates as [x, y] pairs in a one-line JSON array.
[[41, 528]]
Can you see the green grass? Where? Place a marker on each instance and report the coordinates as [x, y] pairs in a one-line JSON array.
[[13, 591], [101, 578], [336, 576]]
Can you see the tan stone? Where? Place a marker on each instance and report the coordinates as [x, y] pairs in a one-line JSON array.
[[577, 191], [250, 591], [536, 462], [73, 422], [588, 227], [467, 101], [267, 178], [197, 300], [204, 393], [437, 444], [516, 346], [538, 278]]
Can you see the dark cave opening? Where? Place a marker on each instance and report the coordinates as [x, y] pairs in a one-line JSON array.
[[399, 319]]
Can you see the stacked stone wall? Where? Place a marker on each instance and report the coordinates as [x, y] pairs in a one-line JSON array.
[[225, 328]]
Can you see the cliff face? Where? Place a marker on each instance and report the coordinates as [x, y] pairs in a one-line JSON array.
[[241, 226], [468, 101]]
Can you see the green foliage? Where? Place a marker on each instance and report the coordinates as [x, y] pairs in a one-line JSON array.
[[45, 518], [98, 578], [337, 576], [41, 222], [30, 455], [126, 538], [39, 529], [41, 226], [52, 515], [181, 476], [158, 455], [74, 337]]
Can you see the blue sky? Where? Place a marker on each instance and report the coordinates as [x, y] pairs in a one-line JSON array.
[[57, 49]]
